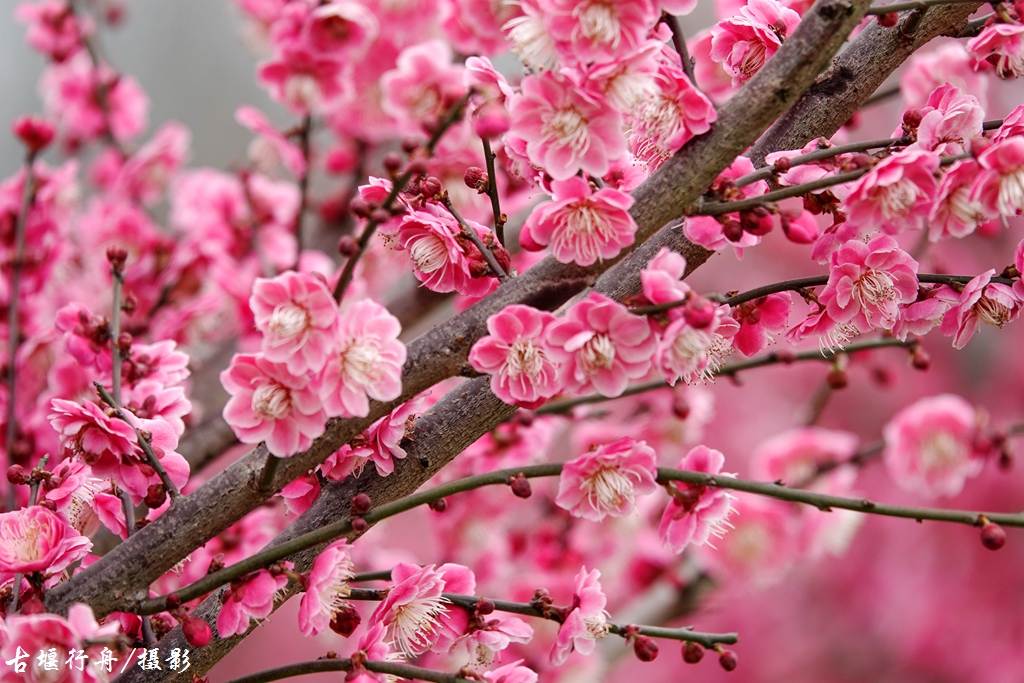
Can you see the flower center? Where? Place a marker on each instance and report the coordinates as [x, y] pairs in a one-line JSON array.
[[288, 321], [753, 59], [608, 490], [525, 358], [334, 597], [941, 450], [1011, 193], [874, 288], [429, 253], [531, 42], [992, 312], [598, 354], [897, 199], [599, 23], [415, 624], [569, 127], [272, 401], [303, 91]]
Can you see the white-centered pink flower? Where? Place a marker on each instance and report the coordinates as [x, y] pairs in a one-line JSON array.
[[587, 621], [759, 320], [1002, 46], [695, 512], [367, 362], [485, 643], [517, 357], [270, 404], [36, 540], [746, 41], [867, 282], [601, 346], [955, 213], [342, 28], [685, 352], [270, 148], [439, 253], [930, 446], [582, 226], [511, 673], [251, 597], [795, 456], [950, 120], [605, 482], [424, 85], [298, 318], [896, 194], [601, 31], [327, 588], [999, 187], [664, 122], [565, 130], [980, 301], [662, 279]]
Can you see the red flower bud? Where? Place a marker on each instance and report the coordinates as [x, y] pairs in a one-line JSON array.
[[476, 178], [156, 494], [728, 660], [912, 119], [733, 231], [345, 620], [359, 207], [35, 132], [196, 631], [16, 475], [520, 486], [392, 163], [645, 648], [837, 379], [992, 536], [117, 257], [359, 524], [920, 359], [417, 167], [692, 653], [361, 504], [699, 312], [889, 19], [439, 505], [348, 246]]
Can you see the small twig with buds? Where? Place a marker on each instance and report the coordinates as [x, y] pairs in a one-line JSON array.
[[116, 256], [882, 10], [492, 191], [471, 235], [391, 669], [33, 496]]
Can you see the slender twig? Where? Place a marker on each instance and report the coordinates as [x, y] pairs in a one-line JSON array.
[[470, 234], [913, 4], [824, 153], [101, 91], [881, 96], [304, 133], [453, 116], [679, 41], [144, 443], [266, 478], [128, 508], [492, 192], [115, 333], [392, 669], [28, 196], [974, 26], [33, 496]]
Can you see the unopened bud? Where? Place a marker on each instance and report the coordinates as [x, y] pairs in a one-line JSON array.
[[392, 163], [196, 631], [837, 379], [410, 145], [16, 475], [417, 167], [380, 216], [345, 620], [430, 186], [912, 119], [484, 606], [992, 536], [757, 221], [172, 600], [348, 246], [680, 408], [692, 652], [645, 648], [520, 486], [920, 359], [728, 660], [439, 505], [359, 524], [733, 231], [699, 312], [889, 19], [476, 178], [359, 207], [361, 504], [117, 257], [782, 165], [35, 132], [156, 494]]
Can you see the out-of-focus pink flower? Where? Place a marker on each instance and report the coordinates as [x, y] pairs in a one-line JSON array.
[[270, 404], [488, 109], [930, 446], [927, 70], [511, 673], [715, 81], [763, 543], [484, 644], [695, 513], [54, 28], [531, 41], [581, 225], [950, 120], [955, 214], [896, 194], [517, 357], [251, 596], [1000, 185], [269, 147], [423, 86], [867, 282], [981, 301], [606, 481], [327, 588], [589, 31], [474, 26], [758, 320], [368, 362], [745, 42], [795, 456], [664, 122], [343, 29], [587, 621], [662, 280], [601, 345], [146, 174], [36, 540], [303, 81], [298, 318], [565, 131], [36, 634], [1002, 46]]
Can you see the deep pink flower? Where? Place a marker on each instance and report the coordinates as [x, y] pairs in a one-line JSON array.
[[485, 643], [746, 41], [367, 362], [87, 430], [627, 82], [687, 352], [327, 588], [581, 225], [950, 63], [606, 481], [565, 131], [586, 623], [269, 147], [795, 456], [981, 301], [665, 121], [1000, 185], [342, 29], [73, 490], [474, 27], [695, 513], [896, 194], [301, 493], [36, 540], [439, 253], [302, 80], [588, 31], [867, 282], [930, 446], [1002, 46], [662, 279], [511, 673], [601, 346], [375, 646], [252, 596], [517, 357], [298, 318], [54, 28], [38, 633], [950, 120], [423, 85], [270, 404], [758, 320], [954, 213]]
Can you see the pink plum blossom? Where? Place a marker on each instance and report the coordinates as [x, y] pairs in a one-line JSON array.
[[581, 225], [565, 131], [367, 362], [423, 85], [955, 213], [795, 456], [746, 41], [587, 621], [950, 63], [327, 588], [709, 232], [374, 647], [511, 673], [252, 596], [301, 493], [302, 80], [270, 404], [475, 26], [626, 82], [34, 539], [342, 28], [488, 108], [606, 481], [763, 543], [695, 513], [601, 346], [484, 644], [1001, 45], [896, 194], [269, 147], [758, 320], [924, 313], [54, 28], [517, 357], [980, 301], [999, 187], [950, 120], [930, 446], [87, 430], [588, 31], [298, 318], [439, 253], [662, 280], [867, 282], [146, 173], [687, 352], [664, 122], [38, 633]]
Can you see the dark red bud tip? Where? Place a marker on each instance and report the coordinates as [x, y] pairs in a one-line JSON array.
[[476, 178], [196, 631], [410, 145], [484, 606], [645, 648], [52, 507], [681, 409], [520, 486], [359, 207], [348, 246], [920, 359], [439, 505], [699, 312], [392, 163], [380, 216], [888, 20], [417, 167], [117, 257], [733, 231], [16, 475], [992, 536], [912, 119], [361, 504], [782, 165], [430, 186], [345, 621], [728, 660], [35, 132], [359, 524], [172, 600], [837, 379], [156, 494], [692, 653]]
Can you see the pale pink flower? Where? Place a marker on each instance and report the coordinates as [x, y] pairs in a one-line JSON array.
[[930, 446], [269, 148], [54, 29], [687, 352], [146, 173], [423, 85], [565, 130], [606, 481], [581, 225], [626, 82], [763, 543], [270, 404], [298, 318], [795, 456], [925, 313], [955, 213], [999, 187], [709, 232], [588, 31], [665, 121], [474, 26], [867, 282], [327, 588], [662, 279], [367, 362], [695, 513], [587, 621], [950, 63], [416, 615], [343, 29], [302, 80], [516, 355], [601, 346], [439, 252], [37, 633], [251, 597], [511, 673], [950, 120], [300, 493], [495, 635], [374, 646], [896, 194], [746, 41], [1002, 46], [980, 301], [381, 443], [36, 540], [531, 41], [759, 320]]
